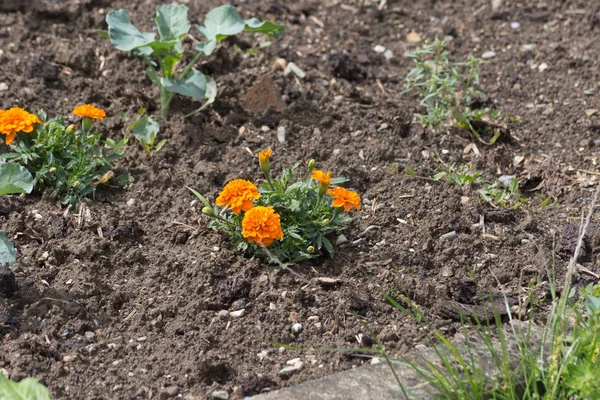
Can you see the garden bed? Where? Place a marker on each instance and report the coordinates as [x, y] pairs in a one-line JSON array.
[[123, 296]]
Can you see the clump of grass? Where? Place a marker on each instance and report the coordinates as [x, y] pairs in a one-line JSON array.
[[561, 363]]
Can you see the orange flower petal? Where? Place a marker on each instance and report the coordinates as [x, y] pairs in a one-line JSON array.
[[344, 198], [237, 195], [262, 225], [89, 111]]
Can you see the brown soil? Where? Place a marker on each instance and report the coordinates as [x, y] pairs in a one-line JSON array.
[[151, 288]]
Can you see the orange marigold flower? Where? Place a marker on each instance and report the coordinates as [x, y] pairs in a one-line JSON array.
[[16, 120], [237, 194], [323, 178], [344, 198], [262, 225], [264, 156], [89, 111]]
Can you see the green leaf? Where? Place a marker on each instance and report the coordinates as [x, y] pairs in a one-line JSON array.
[[196, 85], [202, 198], [226, 21], [14, 179], [328, 245], [124, 180], [123, 35], [439, 176], [172, 21], [160, 145], [102, 33], [8, 256], [145, 129], [27, 389]]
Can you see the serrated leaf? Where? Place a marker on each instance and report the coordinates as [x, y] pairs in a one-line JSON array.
[[145, 129], [8, 256], [226, 21], [195, 85], [123, 35], [27, 389], [172, 21], [14, 179]]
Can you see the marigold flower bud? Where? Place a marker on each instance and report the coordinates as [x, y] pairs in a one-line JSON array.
[[311, 164], [52, 170], [311, 250], [208, 211], [71, 128], [264, 160]]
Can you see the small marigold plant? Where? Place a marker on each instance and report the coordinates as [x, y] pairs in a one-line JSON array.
[[66, 163], [291, 216]]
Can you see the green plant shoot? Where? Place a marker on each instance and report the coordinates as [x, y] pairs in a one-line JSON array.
[[163, 54]]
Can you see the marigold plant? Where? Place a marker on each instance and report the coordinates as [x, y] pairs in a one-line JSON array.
[[66, 163], [293, 216]]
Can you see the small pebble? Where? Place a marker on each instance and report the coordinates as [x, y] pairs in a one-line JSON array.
[[488, 54], [169, 391], [450, 236], [89, 335], [3, 86], [220, 394], [527, 47], [341, 240], [379, 49], [543, 67], [130, 202], [281, 134], [515, 25], [238, 313], [223, 314], [375, 360], [238, 304], [297, 328], [291, 67], [388, 54], [506, 180], [287, 371]]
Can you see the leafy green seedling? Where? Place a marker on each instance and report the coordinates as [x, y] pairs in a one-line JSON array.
[[447, 90], [14, 179], [27, 389], [163, 54], [145, 130]]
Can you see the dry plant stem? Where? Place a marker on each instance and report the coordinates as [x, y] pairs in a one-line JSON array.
[[573, 261]]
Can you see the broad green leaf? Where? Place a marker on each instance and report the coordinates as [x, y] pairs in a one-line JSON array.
[[123, 35], [8, 256], [226, 21], [267, 27], [145, 129], [14, 179], [172, 21], [27, 389], [195, 85]]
